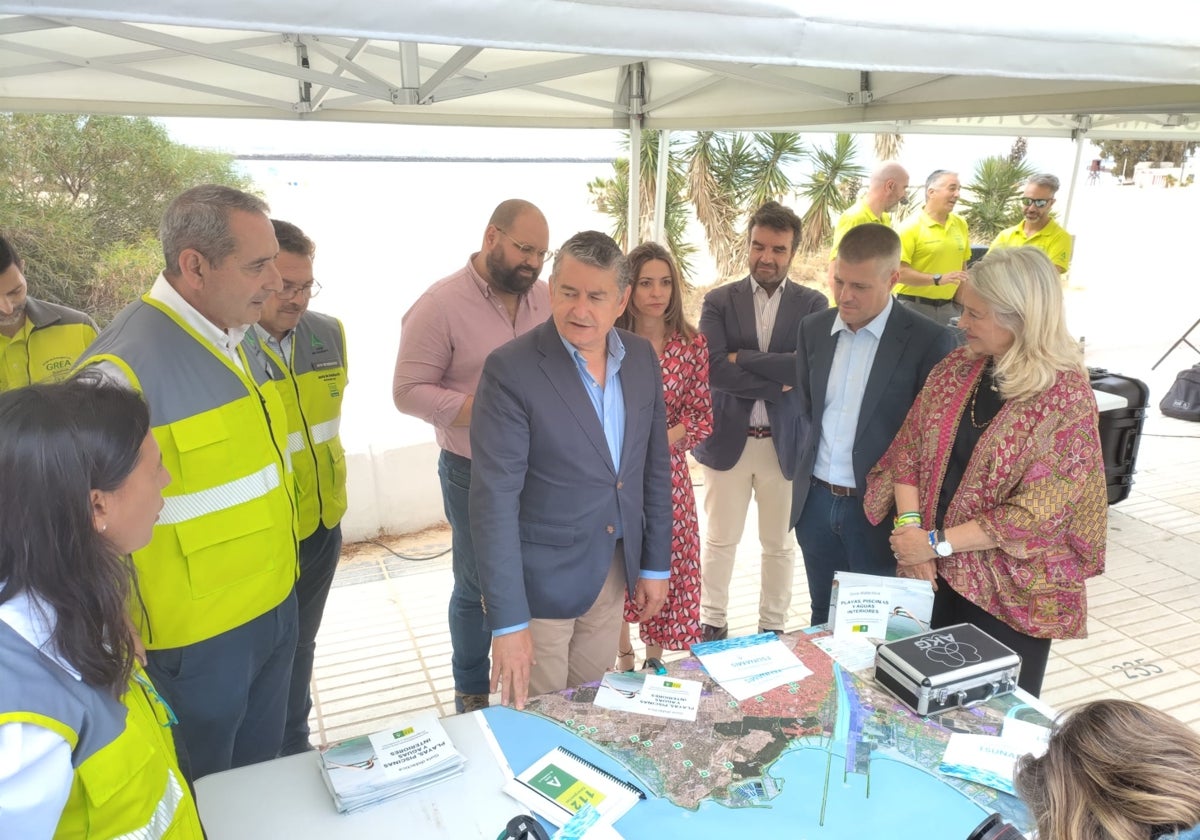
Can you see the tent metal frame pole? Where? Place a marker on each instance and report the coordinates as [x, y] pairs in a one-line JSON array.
[[633, 227], [1066, 221], [660, 187]]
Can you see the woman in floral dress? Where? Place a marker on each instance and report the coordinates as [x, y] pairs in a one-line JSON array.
[[655, 312]]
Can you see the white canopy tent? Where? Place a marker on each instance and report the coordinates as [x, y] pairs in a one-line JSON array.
[[875, 65]]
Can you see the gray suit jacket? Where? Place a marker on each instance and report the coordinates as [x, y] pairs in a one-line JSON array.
[[910, 346], [728, 322], [545, 496]]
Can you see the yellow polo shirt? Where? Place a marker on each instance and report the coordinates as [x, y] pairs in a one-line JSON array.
[[1053, 239], [933, 248], [857, 214]]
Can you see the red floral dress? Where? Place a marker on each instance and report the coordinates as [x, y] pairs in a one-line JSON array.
[[685, 390]]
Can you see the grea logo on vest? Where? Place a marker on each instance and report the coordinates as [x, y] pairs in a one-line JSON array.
[[58, 364]]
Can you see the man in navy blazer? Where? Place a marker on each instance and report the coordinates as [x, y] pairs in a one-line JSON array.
[[751, 330], [858, 370], [571, 483]]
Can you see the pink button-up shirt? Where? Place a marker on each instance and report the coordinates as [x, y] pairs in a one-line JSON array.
[[445, 338]]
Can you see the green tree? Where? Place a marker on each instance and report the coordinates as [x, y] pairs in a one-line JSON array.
[[1126, 153], [994, 192], [726, 176], [82, 198], [611, 197], [830, 189]]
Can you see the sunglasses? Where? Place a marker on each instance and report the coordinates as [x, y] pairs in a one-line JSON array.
[[1036, 202]]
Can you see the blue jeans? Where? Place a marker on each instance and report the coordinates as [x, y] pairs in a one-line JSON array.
[[470, 639], [319, 553], [834, 535]]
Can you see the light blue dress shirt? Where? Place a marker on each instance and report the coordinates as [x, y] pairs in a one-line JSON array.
[[852, 361]]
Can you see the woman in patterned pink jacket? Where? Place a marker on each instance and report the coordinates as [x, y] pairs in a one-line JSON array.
[[997, 475]]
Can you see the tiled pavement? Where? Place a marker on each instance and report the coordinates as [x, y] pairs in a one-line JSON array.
[[384, 647]]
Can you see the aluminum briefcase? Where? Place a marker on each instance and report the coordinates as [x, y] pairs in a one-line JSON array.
[[955, 667]]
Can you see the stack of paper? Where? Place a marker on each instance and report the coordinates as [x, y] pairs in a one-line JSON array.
[[649, 694], [750, 665], [991, 759], [412, 754], [878, 607]]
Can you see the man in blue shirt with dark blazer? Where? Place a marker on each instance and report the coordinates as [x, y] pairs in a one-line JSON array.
[[858, 369], [751, 330], [571, 483]]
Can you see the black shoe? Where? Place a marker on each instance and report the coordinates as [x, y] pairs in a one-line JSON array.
[[656, 665], [709, 633], [770, 630], [464, 702]]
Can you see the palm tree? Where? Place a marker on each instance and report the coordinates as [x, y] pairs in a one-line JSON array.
[[994, 191], [611, 197], [826, 190], [724, 176], [887, 146]]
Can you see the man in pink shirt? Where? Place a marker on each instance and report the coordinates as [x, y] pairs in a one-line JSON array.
[[444, 339]]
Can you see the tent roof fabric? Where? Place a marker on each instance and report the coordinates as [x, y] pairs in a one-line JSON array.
[[682, 64]]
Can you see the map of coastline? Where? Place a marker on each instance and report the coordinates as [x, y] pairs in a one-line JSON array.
[[834, 750]]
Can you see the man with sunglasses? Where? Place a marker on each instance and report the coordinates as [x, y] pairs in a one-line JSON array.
[[1037, 228], [444, 339], [306, 354]]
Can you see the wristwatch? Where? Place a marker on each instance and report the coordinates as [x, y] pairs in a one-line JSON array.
[[937, 279], [941, 546]]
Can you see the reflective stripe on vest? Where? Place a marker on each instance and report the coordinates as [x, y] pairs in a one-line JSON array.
[[224, 549], [326, 431], [178, 509]]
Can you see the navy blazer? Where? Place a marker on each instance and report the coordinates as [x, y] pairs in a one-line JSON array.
[[728, 322], [910, 346], [545, 496]]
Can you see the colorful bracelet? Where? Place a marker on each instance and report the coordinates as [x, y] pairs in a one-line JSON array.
[[911, 517]]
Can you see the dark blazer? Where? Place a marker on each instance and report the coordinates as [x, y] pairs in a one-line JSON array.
[[910, 346], [727, 321], [545, 496]]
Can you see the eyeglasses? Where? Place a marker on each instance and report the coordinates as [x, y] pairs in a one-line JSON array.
[[290, 290], [152, 693], [526, 250], [1036, 202]]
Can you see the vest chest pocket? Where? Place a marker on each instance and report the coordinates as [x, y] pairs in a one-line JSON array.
[[227, 546], [116, 789]]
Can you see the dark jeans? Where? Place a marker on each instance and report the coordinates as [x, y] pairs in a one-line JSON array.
[[319, 553], [834, 535], [469, 638], [949, 607], [229, 692]]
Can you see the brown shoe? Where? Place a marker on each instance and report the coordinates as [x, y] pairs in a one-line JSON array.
[[713, 634], [470, 702]]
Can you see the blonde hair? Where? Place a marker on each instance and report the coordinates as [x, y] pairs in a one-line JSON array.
[[1114, 770], [1024, 291]]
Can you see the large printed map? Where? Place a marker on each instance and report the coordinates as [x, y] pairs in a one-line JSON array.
[[831, 755]]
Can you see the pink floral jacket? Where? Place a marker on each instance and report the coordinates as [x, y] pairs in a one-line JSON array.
[[1035, 484]]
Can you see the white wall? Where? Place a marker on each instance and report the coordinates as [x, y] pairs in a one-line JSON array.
[[392, 491]]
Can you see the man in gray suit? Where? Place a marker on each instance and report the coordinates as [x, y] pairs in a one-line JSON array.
[[858, 369], [751, 330], [571, 485]]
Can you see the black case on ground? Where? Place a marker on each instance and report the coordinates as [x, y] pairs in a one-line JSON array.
[[955, 667], [1120, 429]]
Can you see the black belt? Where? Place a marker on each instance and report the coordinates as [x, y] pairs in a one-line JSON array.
[[835, 489], [934, 302], [759, 432]]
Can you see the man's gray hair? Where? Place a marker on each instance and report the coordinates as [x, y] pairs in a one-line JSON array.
[[594, 248], [199, 219], [1044, 179]]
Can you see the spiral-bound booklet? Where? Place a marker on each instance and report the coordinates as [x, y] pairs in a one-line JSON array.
[[559, 783]]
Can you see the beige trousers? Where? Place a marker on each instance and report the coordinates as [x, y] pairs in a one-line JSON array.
[[726, 499], [573, 651]]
